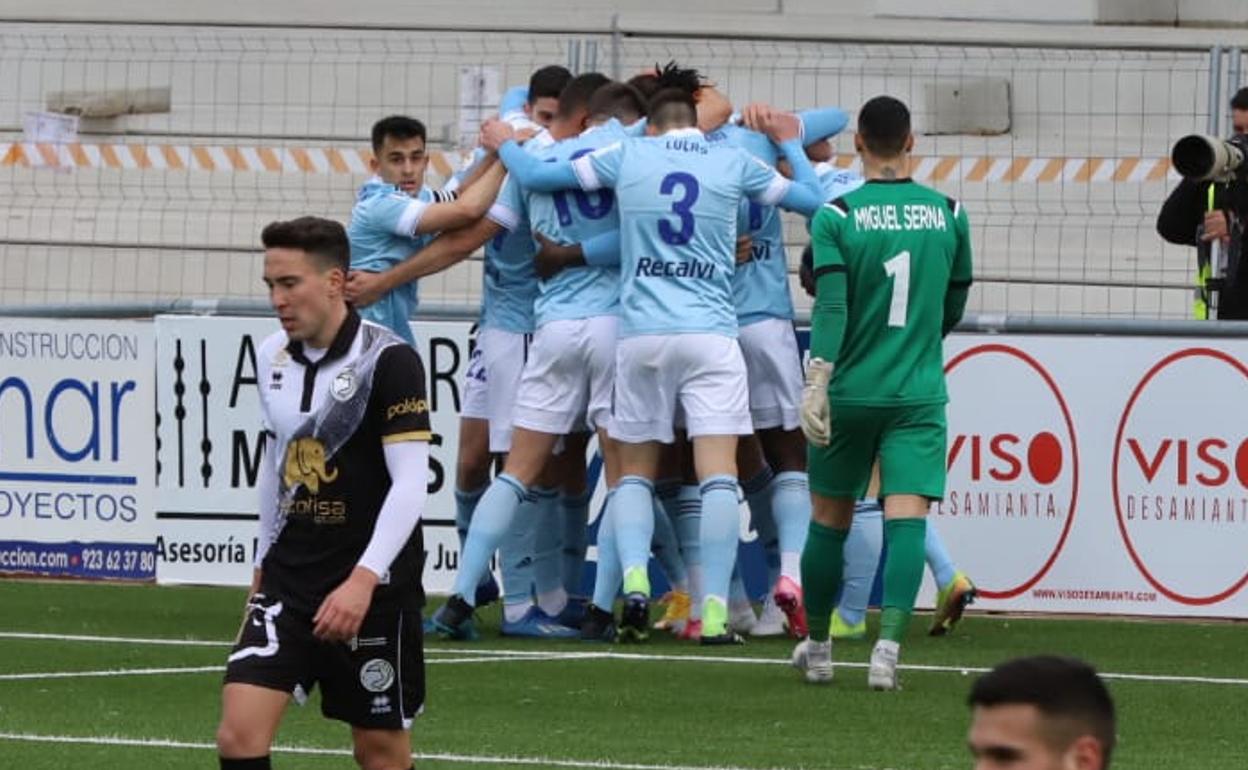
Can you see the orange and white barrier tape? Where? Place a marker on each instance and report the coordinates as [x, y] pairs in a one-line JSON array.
[[342, 160]]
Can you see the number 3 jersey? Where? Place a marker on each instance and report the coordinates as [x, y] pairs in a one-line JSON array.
[[329, 417], [901, 245], [678, 197]]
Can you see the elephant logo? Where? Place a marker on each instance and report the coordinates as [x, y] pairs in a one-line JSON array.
[[305, 464]]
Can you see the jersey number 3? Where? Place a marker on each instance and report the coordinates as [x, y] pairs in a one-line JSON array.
[[682, 207], [898, 268]]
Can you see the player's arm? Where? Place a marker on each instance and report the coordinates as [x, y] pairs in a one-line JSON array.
[[960, 274], [474, 199], [267, 490], [804, 195], [447, 249], [827, 323], [602, 250], [513, 101], [828, 317], [819, 124], [814, 126], [398, 378]]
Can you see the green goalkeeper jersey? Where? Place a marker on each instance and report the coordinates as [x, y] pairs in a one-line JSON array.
[[892, 269]]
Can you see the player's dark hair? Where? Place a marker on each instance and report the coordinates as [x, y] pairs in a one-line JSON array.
[[322, 239], [549, 81], [672, 108], [647, 84], [686, 79], [398, 127], [1066, 691], [1240, 100], [576, 95], [884, 124], [617, 100]]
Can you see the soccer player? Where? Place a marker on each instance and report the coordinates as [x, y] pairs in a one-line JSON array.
[[493, 374], [336, 594], [395, 215], [892, 264], [678, 199], [570, 372], [865, 542], [1041, 713]]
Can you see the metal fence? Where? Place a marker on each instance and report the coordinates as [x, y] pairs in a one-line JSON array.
[[1059, 154]]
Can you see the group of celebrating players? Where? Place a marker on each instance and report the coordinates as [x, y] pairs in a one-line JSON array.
[[637, 289]]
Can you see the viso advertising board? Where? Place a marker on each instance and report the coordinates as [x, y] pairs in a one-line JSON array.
[[77, 486]]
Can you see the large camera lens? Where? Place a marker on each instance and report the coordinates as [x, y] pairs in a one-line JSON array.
[[1194, 156]]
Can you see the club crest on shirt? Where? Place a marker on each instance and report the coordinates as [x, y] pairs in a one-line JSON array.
[[344, 385]]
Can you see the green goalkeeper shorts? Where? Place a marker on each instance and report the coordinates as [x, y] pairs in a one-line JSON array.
[[909, 440]]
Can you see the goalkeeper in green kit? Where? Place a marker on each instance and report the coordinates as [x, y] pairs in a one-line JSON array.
[[892, 270]]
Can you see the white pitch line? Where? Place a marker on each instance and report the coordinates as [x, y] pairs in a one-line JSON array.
[[468, 759], [112, 639], [547, 654], [108, 672]]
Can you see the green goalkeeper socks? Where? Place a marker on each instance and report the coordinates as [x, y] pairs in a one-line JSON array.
[[823, 564], [903, 572]]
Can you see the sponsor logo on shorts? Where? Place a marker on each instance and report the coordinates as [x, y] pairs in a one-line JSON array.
[[377, 675], [366, 641], [381, 705], [407, 406]]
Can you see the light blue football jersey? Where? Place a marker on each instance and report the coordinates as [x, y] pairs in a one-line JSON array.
[[510, 280], [760, 287], [835, 181], [576, 216], [678, 198], [383, 222]]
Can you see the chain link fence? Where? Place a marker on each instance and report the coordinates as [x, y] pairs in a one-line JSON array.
[[1058, 154]]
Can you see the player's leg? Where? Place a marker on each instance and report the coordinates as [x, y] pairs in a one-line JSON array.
[[774, 361], [839, 475], [645, 405], [472, 464], [714, 398], [954, 590], [573, 521], [912, 474], [822, 570], [685, 511], [270, 663], [862, 561], [599, 622], [250, 716], [633, 520], [377, 685], [382, 749]]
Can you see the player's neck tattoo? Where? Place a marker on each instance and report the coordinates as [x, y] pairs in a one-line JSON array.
[[888, 172]]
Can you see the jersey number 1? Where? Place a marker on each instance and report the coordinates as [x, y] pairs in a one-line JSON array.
[[898, 268]]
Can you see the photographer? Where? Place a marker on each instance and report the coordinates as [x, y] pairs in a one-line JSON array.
[[1197, 213]]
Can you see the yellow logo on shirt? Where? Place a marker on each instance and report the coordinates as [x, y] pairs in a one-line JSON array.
[[305, 464], [407, 406]]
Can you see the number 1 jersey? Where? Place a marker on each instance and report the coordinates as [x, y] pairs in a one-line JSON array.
[[901, 245]]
